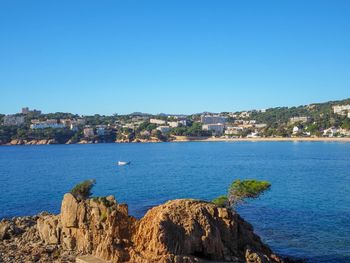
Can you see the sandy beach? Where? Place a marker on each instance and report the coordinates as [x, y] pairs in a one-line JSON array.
[[274, 139]]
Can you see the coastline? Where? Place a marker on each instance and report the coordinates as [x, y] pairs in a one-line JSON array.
[[102, 230], [261, 139], [194, 139]]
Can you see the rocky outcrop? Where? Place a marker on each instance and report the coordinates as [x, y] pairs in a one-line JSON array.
[[85, 141], [196, 231], [40, 142], [138, 140], [32, 142], [98, 226], [49, 229], [20, 241], [179, 231], [16, 142]]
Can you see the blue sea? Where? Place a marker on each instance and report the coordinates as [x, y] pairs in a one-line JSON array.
[[305, 214]]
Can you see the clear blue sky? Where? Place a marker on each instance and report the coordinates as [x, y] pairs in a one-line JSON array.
[[172, 56]]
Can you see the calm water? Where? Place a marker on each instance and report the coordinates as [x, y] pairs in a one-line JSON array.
[[305, 214]]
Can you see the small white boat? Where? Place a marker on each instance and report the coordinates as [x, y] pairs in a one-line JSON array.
[[120, 163]]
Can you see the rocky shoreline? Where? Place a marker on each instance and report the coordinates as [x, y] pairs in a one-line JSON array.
[[30, 142], [83, 141], [179, 231], [185, 139], [20, 242]]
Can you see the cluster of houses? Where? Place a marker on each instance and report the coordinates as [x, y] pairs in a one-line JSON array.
[[164, 126], [302, 119], [99, 130], [228, 124], [213, 123], [342, 110], [72, 124], [219, 126], [329, 132], [14, 120], [333, 132], [18, 120]]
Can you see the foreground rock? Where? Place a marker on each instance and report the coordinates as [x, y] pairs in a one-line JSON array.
[[179, 231], [20, 242], [194, 231]]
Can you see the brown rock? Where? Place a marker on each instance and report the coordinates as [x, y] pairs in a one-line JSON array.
[[17, 142], [193, 231], [4, 228], [69, 210], [96, 226], [49, 229], [43, 141], [179, 231]]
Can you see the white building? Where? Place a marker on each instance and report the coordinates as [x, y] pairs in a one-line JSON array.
[[213, 119], [89, 132], [73, 124], [299, 119], [296, 129], [163, 129], [330, 132], [181, 120], [341, 109], [173, 124], [66, 122], [139, 118], [157, 121], [218, 128], [260, 125], [244, 114], [253, 135], [100, 130], [233, 130], [73, 127], [13, 120], [344, 132], [46, 124]]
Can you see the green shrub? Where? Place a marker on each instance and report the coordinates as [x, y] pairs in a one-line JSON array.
[[103, 200], [221, 201], [240, 190], [82, 190]]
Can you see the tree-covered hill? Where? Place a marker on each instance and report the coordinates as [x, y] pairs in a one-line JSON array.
[[320, 112]]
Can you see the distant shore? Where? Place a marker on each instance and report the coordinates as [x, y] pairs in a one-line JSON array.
[[194, 139], [261, 139]]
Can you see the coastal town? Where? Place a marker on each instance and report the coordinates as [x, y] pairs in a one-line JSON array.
[[324, 120]]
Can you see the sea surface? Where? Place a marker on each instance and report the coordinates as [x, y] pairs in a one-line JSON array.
[[305, 214]]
